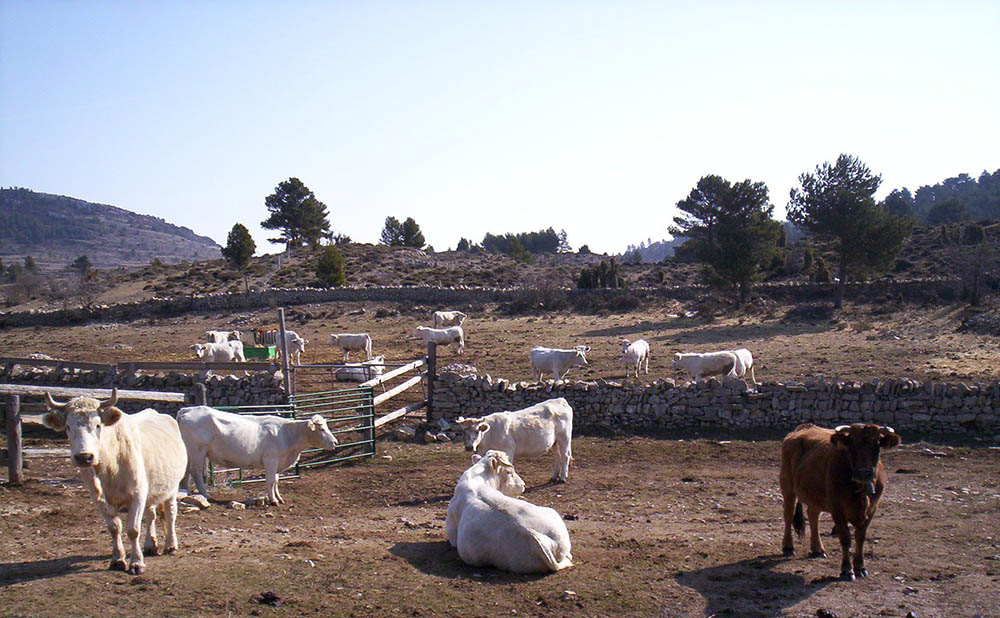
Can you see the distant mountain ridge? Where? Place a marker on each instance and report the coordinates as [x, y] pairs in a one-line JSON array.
[[56, 229]]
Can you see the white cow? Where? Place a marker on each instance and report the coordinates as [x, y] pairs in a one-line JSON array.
[[491, 527], [295, 345], [699, 365], [558, 361], [221, 336], [448, 318], [442, 336], [129, 462], [635, 353], [220, 352], [744, 364], [353, 342], [269, 442], [361, 372], [529, 432]]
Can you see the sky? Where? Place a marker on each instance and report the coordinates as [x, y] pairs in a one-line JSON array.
[[475, 117]]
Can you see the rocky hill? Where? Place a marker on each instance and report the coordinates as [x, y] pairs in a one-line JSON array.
[[55, 230]]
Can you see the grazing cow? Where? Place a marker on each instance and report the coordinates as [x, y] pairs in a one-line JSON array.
[[837, 471], [130, 462], [221, 336], [353, 342], [635, 354], [559, 362], [707, 364], [228, 351], [361, 372], [269, 442], [491, 527], [744, 364], [442, 319], [529, 432], [442, 336]]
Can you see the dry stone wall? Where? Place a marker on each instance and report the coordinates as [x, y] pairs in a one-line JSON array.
[[906, 405]]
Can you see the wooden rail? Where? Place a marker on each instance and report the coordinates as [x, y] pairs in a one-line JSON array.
[[399, 388], [132, 366], [58, 364], [420, 362], [97, 393], [391, 416]]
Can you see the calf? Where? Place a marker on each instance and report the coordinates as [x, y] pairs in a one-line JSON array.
[[129, 462], [220, 352], [558, 361], [221, 336], [490, 527], [352, 342], [837, 471], [635, 354], [442, 319], [529, 432], [269, 442], [442, 336], [699, 365], [361, 372]]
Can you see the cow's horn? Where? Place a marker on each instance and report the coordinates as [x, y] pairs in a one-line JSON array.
[[109, 403], [504, 461], [52, 403], [887, 429], [842, 428]]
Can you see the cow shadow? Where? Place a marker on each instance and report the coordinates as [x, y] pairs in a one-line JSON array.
[[447, 497], [440, 559], [20, 572], [634, 329], [750, 587], [742, 333]]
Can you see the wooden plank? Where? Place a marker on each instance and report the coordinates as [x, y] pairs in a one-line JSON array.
[[420, 362], [199, 366], [399, 388], [97, 393], [283, 346], [15, 455], [56, 363], [413, 407]]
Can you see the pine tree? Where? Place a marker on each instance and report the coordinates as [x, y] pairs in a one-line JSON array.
[[239, 250], [297, 213], [330, 267]]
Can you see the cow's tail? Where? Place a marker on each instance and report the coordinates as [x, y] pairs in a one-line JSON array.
[[543, 546], [799, 520]]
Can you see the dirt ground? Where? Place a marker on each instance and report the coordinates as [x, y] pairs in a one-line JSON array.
[[658, 527]]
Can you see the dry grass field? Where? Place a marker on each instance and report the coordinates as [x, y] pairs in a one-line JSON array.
[[660, 527]]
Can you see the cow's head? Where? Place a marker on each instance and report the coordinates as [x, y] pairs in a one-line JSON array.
[[320, 435], [500, 473], [625, 344], [473, 429], [199, 349], [863, 443], [418, 333], [234, 335], [83, 419]]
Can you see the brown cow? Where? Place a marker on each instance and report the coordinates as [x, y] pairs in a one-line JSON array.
[[837, 471]]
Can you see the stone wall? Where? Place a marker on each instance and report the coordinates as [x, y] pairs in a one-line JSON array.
[[259, 388], [904, 404]]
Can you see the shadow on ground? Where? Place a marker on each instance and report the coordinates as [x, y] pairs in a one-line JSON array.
[[19, 572], [440, 559], [750, 587]]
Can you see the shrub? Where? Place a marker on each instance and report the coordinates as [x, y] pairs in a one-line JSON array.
[[330, 267]]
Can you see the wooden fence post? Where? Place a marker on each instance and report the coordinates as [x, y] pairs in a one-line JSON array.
[[200, 394], [15, 457], [284, 351], [431, 374]]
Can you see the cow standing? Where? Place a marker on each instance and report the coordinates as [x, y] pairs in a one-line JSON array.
[[130, 462], [837, 471]]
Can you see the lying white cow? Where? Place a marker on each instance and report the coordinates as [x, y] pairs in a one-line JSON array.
[[130, 462], [221, 336], [744, 364], [442, 336], [353, 342], [700, 365], [525, 433], [361, 372], [490, 527], [635, 353], [269, 442], [448, 318], [227, 351], [559, 362]]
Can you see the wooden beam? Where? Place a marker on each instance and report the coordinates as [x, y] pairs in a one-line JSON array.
[[15, 456], [97, 393], [395, 372], [55, 363], [198, 366], [399, 388], [413, 407]]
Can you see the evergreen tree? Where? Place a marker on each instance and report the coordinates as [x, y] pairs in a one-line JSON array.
[[297, 214], [82, 265], [330, 267], [239, 250], [463, 244], [392, 233], [29, 264], [411, 234]]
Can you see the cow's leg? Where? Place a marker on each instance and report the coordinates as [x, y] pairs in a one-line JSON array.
[[115, 530], [563, 456], [844, 534], [271, 470], [859, 549], [137, 565], [816, 549], [646, 359], [788, 506], [151, 546], [197, 464], [169, 511], [347, 355]]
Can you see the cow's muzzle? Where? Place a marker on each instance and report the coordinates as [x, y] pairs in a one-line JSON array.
[[865, 477], [468, 447], [84, 460]]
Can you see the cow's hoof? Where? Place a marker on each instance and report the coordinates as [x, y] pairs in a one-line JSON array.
[[817, 554], [862, 572], [557, 480], [170, 550], [847, 576], [151, 550], [137, 568], [117, 565], [788, 551]]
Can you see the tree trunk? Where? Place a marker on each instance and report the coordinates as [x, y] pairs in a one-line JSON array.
[[246, 281], [841, 285]]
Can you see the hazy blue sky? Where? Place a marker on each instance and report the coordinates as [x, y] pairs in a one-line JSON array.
[[477, 117]]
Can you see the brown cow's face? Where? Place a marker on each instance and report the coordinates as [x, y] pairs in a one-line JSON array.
[[863, 444]]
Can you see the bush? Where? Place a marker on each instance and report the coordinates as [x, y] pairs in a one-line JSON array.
[[810, 312], [330, 267], [539, 299], [613, 301]]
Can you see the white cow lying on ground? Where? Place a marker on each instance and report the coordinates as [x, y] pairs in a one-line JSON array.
[[448, 318], [221, 336], [699, 365], [490, 527], [269, 442], [558, 361], [635, 353], [361, 372], [353, 342], [130, 462], [744, 364], [442, 336], [227, 351], [525, 433]]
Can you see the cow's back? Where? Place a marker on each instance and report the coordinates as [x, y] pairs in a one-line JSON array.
[[225, 437], [163, 453], [533, 430]]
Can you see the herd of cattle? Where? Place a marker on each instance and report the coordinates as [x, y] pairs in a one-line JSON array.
[[138, 463]]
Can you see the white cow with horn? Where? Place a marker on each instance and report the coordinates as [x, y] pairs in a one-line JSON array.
[[130, 462]]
